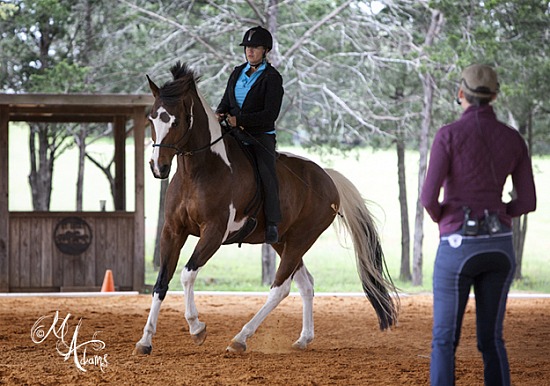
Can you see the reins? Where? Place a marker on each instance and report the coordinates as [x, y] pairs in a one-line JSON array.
[[283, 165], [228, 130]]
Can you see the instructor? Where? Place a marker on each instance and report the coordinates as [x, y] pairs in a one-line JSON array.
[[471, 160]]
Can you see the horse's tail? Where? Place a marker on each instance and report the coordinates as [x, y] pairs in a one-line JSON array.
[[373, 272]]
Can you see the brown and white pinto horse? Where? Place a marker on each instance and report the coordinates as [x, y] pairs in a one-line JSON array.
[[207, 196]]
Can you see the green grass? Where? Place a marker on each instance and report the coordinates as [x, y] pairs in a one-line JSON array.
[[331, 264]]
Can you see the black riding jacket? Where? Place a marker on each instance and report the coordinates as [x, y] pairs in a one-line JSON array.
[[262, 104]]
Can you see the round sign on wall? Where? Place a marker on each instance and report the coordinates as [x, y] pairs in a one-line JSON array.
[[72, 235]]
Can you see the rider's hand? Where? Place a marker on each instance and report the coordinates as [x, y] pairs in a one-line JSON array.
[[232, 120]]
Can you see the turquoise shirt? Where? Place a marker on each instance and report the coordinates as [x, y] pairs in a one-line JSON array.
[[245, 82]]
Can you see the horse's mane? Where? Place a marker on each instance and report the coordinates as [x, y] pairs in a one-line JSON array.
[[183, 77]]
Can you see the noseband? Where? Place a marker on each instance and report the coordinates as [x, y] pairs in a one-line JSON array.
[[174, 146]]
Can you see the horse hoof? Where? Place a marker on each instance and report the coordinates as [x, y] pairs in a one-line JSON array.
[[299, 345], [199, 338], [236, 347], [142, 350]]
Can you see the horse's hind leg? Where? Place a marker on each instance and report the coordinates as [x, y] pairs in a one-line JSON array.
[[290, 261], [167, 268], [275, 296], [304, 282]]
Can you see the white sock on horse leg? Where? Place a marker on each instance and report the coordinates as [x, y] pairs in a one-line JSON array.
[[304, 281], [191, 312]]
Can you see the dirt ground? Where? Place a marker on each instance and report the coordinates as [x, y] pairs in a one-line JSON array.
[[348, 348]]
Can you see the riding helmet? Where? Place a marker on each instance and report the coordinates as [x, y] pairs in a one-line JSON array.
[[256, 37]]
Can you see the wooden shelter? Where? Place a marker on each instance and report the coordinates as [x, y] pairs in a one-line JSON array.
[[70, 251]]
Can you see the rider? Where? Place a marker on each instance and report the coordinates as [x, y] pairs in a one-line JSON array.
[[252, 102]]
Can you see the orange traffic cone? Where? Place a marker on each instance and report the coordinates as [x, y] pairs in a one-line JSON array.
[[108, 282]]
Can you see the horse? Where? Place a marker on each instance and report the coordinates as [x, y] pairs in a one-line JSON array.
[[208, 197]]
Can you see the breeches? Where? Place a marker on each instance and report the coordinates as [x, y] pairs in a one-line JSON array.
[[264, 150], [486, 263]]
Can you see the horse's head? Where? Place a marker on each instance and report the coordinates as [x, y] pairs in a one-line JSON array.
[[171, 118]]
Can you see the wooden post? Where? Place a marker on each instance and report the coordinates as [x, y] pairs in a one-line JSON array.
[[4, 201], [120, 162], [139, 229]]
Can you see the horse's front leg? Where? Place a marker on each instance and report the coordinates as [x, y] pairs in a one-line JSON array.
[[205, 249], [170, 249], [144, 346], [197, 329]]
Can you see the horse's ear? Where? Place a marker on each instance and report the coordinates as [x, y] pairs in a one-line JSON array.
[[154, 88]]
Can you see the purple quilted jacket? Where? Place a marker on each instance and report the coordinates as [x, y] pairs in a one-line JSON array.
[[471, 159]]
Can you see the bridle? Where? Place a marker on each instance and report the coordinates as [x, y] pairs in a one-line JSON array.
[[174, 146], [180, 151], [190, 152]]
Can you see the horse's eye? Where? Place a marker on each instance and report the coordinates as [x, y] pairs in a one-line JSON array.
[[175, 123]]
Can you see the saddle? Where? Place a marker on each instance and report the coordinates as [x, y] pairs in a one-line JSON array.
[[253, 207]]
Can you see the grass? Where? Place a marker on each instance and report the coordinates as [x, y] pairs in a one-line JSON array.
[[331, 264]]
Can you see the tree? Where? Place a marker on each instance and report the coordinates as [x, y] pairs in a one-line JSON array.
[[29, 41], [316, 44], [410, 36], [511, 36], [405, 269], [426, 77], [64, 46], [522, 29], [305, 41]]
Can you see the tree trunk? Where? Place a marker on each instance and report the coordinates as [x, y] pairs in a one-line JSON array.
[[275, 54], [519, 224], [83, 129], [269, 257], [436, 22], [40, 178], [519, 230], [405, 271], [160, 223], [80, 139], [428, 87]]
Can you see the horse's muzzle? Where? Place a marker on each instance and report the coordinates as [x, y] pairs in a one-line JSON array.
[[161, 172]]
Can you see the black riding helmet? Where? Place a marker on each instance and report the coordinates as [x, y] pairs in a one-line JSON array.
[[256, 37]]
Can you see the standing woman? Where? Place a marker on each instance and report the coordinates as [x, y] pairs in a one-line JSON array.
[[471, 159], [252, 101]]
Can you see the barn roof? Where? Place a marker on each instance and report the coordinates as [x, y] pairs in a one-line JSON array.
[[72, 107]]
